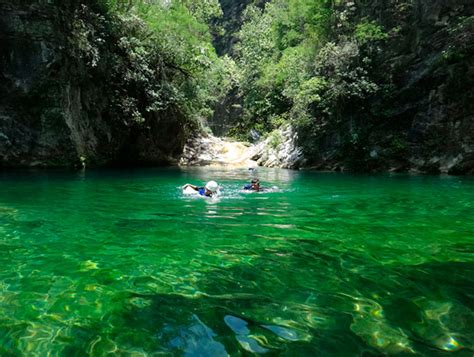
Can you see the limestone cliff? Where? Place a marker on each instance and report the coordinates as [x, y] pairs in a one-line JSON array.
[[426, 122]]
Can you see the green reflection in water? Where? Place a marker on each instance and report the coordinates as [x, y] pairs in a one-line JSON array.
[[330, 264]]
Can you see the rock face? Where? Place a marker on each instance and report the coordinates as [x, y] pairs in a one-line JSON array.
[[227, 113], [231, 23], [428, 123], [54, 110], [209, 150], [435, 99], [280, 149]]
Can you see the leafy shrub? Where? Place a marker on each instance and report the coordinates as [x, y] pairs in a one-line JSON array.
[[367, 31], [275, 139]]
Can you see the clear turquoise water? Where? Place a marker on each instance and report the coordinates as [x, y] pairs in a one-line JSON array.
[[330, 264]]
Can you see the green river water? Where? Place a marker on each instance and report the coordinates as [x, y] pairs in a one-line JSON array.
[[120, 262]]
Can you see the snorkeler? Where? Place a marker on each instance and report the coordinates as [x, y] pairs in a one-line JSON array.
[[254, 185], [211, 189]]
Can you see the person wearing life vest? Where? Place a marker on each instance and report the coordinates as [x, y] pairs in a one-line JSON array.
[[254, 185], [209, 190]]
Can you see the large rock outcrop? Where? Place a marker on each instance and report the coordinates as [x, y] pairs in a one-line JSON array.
[[280, 149], [55, 107]]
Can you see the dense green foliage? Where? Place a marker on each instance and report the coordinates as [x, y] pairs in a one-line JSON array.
[[302, 61], [163, 55]]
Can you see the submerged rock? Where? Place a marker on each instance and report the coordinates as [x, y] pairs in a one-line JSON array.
[[197, 339], [237, 325]]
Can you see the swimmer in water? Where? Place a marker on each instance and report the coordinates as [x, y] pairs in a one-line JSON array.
[[254, 185], [210, 190]]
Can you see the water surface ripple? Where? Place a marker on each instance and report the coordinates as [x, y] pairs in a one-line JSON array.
[[327, 264]]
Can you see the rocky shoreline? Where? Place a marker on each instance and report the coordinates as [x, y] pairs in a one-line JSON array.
[[279, 149]]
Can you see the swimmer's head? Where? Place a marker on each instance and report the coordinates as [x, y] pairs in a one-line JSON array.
[[212, 187]]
